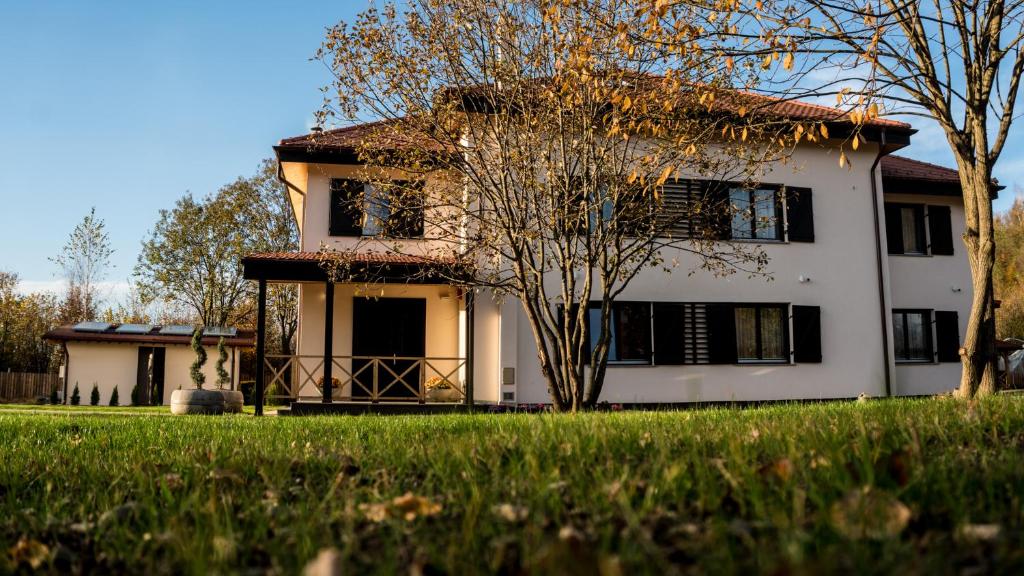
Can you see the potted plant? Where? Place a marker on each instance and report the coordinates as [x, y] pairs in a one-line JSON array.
[[440, 390], [233, 399], [197, 400], [335, 386]]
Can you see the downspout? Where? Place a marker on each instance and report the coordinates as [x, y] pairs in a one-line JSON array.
[[470, 345], [879, 261], [67, 370]]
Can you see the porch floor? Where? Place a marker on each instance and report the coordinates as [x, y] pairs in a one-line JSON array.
[[313, 408]]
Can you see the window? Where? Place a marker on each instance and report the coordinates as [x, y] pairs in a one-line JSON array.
[[630, 327], [761, 333], [756, 214], [912, 335], [359, 209], [905, 229]]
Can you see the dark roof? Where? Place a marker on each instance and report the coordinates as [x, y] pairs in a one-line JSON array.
[[901, 175], [362, 266], [244, 338], [339, 145]]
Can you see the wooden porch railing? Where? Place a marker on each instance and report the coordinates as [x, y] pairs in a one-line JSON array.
[[364, 378]]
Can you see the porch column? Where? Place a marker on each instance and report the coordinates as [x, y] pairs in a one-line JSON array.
[[470, 337], [328, 341], [261, 345]]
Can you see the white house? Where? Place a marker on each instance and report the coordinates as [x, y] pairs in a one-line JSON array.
[[155, 359], [871, 294]]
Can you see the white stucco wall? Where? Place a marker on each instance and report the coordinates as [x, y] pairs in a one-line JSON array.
[[110, 365], [934, 283]]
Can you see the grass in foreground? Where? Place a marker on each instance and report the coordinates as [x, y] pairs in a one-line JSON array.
[[920, 486]]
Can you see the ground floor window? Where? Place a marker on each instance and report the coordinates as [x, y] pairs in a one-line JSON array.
[[761, 333], [912, 335], [630, 327]]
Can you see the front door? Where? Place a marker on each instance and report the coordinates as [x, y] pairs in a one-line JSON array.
[[149, 380], [393, 330]]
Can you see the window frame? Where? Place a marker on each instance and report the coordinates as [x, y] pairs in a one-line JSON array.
[[779, 225], [929, 335], [616, 305], [921, 224], [759, 337], [375, 212]]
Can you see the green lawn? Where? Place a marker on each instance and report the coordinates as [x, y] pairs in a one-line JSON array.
[[902, 486]]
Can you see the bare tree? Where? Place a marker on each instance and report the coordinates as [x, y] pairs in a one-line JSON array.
[[84, 261], [546, 141], [956, 62]]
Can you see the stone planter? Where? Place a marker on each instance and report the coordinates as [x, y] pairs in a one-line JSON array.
[[443, 395], [197, 401], [233, 400]]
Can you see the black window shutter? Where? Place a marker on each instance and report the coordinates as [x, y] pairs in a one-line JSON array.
[[894, 228], [807, 334], [940, 227], [669, 334], [721, 333], [346, 214], [714, 221], [799, 215], [947, 336]]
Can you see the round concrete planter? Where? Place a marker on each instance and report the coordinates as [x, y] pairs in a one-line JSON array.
[[197, 401], [233, 400]]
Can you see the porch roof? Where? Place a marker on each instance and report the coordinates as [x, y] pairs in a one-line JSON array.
[[364, 266]]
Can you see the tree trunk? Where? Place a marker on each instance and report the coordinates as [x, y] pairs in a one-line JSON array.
[[978, 354]]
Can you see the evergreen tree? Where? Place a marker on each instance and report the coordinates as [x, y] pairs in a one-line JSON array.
[[94, 396], [76, 398], [223, 378], [136, 394], [113, 397], [53, 395], [198, 378]]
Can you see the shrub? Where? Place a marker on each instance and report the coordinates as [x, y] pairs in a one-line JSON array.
[[223, 377], [94, 396], [198, 378], [136, 394], [53, 396], [113, 397], [76, 398]]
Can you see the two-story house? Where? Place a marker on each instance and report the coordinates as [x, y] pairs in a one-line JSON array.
[[870, 293]]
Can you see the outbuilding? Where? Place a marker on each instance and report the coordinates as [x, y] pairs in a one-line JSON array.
[[149, 359]]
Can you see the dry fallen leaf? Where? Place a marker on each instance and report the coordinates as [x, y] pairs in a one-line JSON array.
[[979, 532], [31, 552], [511, 512], [869, 513], [327, 563]]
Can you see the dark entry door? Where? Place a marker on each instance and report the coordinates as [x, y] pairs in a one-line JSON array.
[[388, 328], [150, 376]]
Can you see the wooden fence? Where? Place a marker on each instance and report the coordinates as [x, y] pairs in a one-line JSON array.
[[26, 385]]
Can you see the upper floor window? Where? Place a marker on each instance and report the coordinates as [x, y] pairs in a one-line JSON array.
[[393, 210], [917, 229], [756, 214]]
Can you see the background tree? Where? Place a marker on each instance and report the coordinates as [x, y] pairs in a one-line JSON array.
[[956, 62], [1009, 271], [546, 138], [193, 257], [84, 261], [24, 318]]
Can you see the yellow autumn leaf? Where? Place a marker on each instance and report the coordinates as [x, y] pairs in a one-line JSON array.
[[626, 103], [742, 111], [664, 175], [842, 159], [856, 142], [743, 136], [824, 131], [787, 62], [632, 177]]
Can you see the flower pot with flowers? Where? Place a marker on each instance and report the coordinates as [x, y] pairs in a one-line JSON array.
[[441, 390]]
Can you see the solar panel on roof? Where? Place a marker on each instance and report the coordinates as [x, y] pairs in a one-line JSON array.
[[225, 331], [91, 326], [177, 330], [134, 329]]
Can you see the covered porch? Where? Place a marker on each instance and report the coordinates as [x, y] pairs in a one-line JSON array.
[[393, 334]]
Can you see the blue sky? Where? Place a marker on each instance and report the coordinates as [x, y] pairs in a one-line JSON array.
[[126, 106]]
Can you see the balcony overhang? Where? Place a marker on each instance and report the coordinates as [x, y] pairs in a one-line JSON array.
[[388, 267]]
